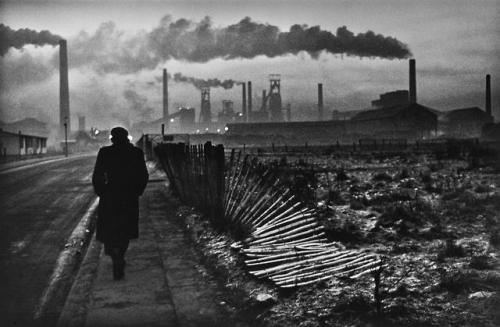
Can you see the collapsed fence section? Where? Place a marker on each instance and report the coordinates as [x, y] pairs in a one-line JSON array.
[[281, 238], [285, 243]]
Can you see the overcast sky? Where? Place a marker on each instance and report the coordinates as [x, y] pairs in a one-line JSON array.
[[455, 44]]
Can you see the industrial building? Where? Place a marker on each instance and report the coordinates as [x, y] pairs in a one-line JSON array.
[[464, 123], [411, 121], [12, 144], [390, 99]]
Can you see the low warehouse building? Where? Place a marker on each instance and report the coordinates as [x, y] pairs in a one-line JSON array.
[[465, 123], [21, 144], [410, 121]]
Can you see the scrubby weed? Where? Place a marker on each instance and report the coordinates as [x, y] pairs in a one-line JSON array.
[[469, 280], [494, 236], [416, 206], [480, 262], [383, 176], [343, 231], [451, 249]]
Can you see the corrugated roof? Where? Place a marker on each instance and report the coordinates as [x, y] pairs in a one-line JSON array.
[[388, 112]]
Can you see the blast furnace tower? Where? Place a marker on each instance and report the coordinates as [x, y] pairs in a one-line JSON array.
[[205, 112], [275, 98]]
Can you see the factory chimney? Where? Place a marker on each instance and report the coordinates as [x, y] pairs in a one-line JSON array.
[[165, 96], [64, 115], [320, 101], [488, 95], [263, 108], [81, 123], [249, 101], [413, 82], [244, 101]]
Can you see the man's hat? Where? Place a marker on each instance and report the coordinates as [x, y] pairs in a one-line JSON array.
[[119, 133]]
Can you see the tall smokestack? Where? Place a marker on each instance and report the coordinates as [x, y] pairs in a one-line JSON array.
[[488, 95], [81, 123], [249, 100], [413, 82], [165, 96], [263, 100], [244, 101], [320, 101], [64, 115]]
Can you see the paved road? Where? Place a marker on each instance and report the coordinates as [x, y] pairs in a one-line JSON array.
[[39, 208]]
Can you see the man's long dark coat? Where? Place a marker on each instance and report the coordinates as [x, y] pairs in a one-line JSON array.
[[120, 177]]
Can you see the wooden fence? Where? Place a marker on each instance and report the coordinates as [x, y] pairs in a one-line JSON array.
[[282, 240], [196, 175]]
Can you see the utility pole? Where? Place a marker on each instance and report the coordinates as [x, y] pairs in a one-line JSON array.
[[66, 136]]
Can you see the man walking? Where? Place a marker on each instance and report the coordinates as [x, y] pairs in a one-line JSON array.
[[120, 177]]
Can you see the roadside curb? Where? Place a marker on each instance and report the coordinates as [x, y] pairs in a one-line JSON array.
[[67, 262], [74, 312]]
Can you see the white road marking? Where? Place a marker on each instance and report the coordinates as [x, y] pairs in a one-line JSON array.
[[74, 244], [11, 170]]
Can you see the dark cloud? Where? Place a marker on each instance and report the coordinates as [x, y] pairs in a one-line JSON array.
[[110, 50], [10, 38], [200, 42]]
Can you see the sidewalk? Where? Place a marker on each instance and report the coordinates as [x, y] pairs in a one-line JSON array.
[[164, 283]]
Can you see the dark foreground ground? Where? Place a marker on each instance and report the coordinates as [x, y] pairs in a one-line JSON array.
[[434, 222]]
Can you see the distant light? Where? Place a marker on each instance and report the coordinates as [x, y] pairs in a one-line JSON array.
[[171, 120], [218, 130], [240, 114], [226, 128], [206, 129], [197, 131], [96, 132]]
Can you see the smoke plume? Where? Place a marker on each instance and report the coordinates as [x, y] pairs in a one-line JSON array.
[[110, 50], [200, 42], [200, 83], [10, 38], [138, 104]]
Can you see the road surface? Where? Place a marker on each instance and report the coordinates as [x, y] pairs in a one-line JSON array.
[[40, 206]]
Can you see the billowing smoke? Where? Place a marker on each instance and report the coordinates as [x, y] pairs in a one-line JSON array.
[[110, 50], [200, 42], [10, 38], [200, 83], [138, 104]]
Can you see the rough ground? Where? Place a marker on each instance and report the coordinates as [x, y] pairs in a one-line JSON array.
[[434, 221]]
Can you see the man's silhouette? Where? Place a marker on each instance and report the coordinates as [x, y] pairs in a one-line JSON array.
[[120, 177]]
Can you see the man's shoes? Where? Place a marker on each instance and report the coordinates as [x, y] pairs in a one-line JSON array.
[[118, 269]]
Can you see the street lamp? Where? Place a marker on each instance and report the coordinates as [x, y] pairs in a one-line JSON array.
[[66, 136]]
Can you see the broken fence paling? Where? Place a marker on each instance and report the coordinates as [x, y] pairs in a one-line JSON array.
[[286, 243], [196, 174]]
